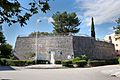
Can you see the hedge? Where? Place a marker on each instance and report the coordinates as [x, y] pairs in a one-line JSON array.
[[112, 61], [2, 61], [96, 63], [104, 62], [74, 60], [67, 63], [81, 63], [43, 62], [58, 62], [8, 62], [119, 60]]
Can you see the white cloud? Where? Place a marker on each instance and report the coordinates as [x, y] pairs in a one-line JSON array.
[[38, 20], [50, 19], [44, 18], [111, 29], [41, 19], [103, 11]]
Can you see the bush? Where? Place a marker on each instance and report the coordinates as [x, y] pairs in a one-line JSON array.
[[74, 60], [5, 50], [83, 57], [67, 63], [15, 63], [81, 63], [43, 62], [112, 61], [9, 62], [30, 62], [119, 60], [104, 62], [97, 63], [2, 61], [58, 62], [20, 62]]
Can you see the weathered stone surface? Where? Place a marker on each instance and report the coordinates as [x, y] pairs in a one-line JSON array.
[[63, 46], [92, 48]]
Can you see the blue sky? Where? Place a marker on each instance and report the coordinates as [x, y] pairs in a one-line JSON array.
[[105, 12]]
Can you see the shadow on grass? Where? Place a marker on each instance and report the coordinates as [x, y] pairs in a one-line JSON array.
[[6, 68]]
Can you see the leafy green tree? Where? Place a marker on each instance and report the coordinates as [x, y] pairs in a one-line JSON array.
[[92, 28], [40, 33], [5, 50], [2, 38], [117, 28], [12, 11], [65, 23]]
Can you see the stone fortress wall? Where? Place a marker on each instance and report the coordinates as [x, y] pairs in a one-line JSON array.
[[63, 46], [92, 48]]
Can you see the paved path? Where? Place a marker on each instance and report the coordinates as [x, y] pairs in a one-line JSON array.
[[96, 73]]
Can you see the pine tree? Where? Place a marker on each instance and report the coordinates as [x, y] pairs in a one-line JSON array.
[[92, 28], [65, 23]]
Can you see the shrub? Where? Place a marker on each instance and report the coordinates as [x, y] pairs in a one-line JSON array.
[[5, 50], [2, 61], [83, 57], [67, 63], [74, 60], [15, 62], [104, 62], [81, 63], [112, 61], [119, 60], [96, 63], [30, 62], [9, 62], [43, 62], [58, 62]]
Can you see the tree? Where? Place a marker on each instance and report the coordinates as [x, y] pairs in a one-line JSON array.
[[33, 34], [65, 23], [117, 28], [92, 28], [11, 11], [5, 50], [2, 38]]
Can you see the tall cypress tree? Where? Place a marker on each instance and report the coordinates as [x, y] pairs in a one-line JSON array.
[[92, 28]]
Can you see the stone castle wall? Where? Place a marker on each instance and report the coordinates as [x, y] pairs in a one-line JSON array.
[[83, 45], [104, 50], [63, 46], [92, 48]]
